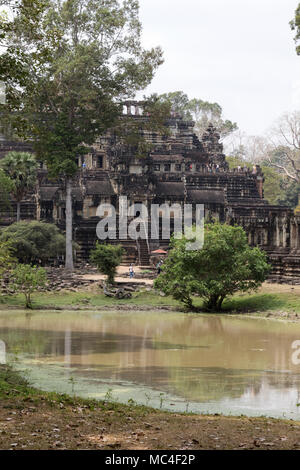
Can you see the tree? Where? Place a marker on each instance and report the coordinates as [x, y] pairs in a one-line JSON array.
[[34, 242], [295, 25], [284, 153], [225, 265], [107, 258], [27, 279], [21, 167], [289, 193], [6, 187], [253, 148], [6, 258], [84, 58], [276, 188], [202, 112]]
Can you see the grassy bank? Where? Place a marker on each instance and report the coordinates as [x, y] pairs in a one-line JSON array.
[[267, 301], [32, 419]]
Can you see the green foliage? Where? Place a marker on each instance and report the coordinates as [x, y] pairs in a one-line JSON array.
[[290, 191], [202, 112], [107, 258], [83, 57], [6, 187], [295, 25], [21, 168], [130, 132], [234, 162], [27, 279], [34, 242], [225, 265], [277, 188], [6, 258]]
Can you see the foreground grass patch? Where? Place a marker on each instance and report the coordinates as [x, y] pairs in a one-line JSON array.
[[36, 420], [263, 302], [80, 299], [240, 303], [13, 386]]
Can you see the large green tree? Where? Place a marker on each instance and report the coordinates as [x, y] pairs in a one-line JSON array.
[[34, 242], [201, 112], [21, 167], [226, 264], [6, 258], [84, 58], [6, 187]]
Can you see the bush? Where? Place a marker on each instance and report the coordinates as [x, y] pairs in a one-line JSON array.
[[34, 242], [107, 258], [27, 279], [226, 264], [6, 259]]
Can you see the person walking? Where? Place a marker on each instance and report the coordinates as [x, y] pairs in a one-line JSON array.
[[131, 271], [158, 267]]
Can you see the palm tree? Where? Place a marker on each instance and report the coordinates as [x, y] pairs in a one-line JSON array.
[[21, 167]]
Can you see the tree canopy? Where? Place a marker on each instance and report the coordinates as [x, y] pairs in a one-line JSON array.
[[80, 60], [278, 189], [295, 25], [21, 167], [34, 242], [6, 258], [27, 279], [200, 111], [226, 264], [6, 187], [107, 258]]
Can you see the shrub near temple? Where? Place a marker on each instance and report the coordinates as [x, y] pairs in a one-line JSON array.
[[226, 264], [34, 242], [28, 279], [107, 258], [6, 259]]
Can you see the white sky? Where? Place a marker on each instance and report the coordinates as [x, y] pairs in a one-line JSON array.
[[238, 53]]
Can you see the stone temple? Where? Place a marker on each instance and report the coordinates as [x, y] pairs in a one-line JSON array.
[[179, 169]]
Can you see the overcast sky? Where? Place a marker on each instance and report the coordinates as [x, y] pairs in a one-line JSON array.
[[238, 53]]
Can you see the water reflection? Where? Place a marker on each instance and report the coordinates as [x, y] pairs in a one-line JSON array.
[[215, 363]]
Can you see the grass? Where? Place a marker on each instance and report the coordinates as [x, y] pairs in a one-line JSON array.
[[263, 302], [240, 303], [63, 299], [13, 386], [35, 420]]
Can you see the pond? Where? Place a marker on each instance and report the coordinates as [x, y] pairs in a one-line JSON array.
[[180, 362]]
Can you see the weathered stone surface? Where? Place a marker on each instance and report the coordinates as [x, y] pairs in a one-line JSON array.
[[179, 169]]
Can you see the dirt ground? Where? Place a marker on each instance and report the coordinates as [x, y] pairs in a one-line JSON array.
[[122, 276], [269, 288], [26, 425]]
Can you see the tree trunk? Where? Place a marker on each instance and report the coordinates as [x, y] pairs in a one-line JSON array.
[[69, 226], [18, 211], [28, 301]]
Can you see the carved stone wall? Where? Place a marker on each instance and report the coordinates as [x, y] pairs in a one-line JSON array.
[[179, 169]]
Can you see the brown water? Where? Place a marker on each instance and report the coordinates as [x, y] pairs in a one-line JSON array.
[[182, 362]]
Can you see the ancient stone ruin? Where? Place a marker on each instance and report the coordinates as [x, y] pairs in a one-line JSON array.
[[180, 168]]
